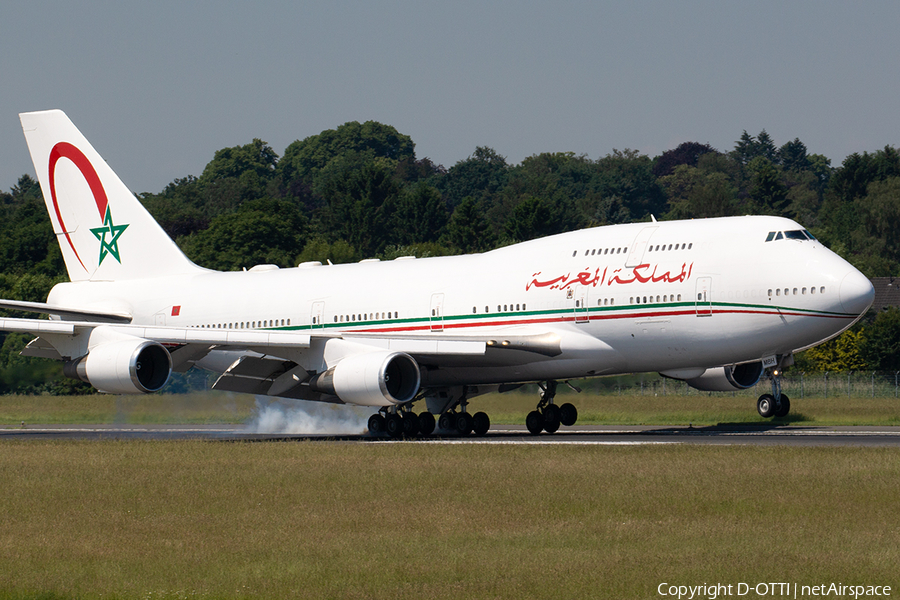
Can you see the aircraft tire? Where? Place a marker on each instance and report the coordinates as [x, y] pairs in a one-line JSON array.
[[784, 407], [464, 423], [551, 418], [534, 422], [394, 425], [568, 414], [426, 423], [377, 424], [410, 424], [481, 423], [447, 421], [766, 406]]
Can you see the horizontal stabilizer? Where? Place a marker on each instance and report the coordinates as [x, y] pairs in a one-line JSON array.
[[68, 314]]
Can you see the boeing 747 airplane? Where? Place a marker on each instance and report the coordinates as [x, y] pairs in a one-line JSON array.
[[718, 303]]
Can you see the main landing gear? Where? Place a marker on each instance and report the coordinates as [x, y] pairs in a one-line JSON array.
[[463, 422], [775, 404], [403, 422], [549, 416]]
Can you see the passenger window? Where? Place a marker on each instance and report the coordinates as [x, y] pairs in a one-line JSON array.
[[803, 291], [822, 290], [812, 290], [778, 292]]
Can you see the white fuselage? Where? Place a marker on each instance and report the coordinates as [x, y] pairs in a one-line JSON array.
[[625, 298]]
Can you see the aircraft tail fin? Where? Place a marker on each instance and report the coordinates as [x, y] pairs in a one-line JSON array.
[[103, 230]]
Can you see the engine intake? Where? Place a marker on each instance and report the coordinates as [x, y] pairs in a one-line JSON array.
[[729, 378], [371, 379], [124, 367]]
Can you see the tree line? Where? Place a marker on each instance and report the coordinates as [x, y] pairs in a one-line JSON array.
[[359, 191]]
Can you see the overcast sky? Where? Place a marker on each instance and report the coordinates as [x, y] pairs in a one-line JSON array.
[[159, 86]]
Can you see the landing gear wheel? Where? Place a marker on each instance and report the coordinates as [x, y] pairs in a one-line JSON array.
[[784, 407], [426, 423], [464, 423], [410, 424], [568, 414], [481, 423], [551, 418], [377, 424], [394, 425], [447, 421], [766, 406], [534, 422]]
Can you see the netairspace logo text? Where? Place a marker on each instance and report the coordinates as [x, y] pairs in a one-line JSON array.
[[759, 590]]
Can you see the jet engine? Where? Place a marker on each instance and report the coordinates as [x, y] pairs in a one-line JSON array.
[[127, 366], [371, 379], [726, 379]]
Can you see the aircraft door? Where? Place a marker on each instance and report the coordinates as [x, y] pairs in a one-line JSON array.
[[581, 307], [437, 312], [636, 256], [703, 300], [318, 315]]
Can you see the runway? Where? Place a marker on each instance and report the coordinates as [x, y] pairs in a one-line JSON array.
[[722, 434]]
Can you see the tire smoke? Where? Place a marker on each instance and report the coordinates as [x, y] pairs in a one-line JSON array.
[[279, 415]]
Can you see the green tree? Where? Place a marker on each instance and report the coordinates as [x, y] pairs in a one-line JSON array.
[[480, 176], [534, 218], [694, 193], [881, 343], [362, 202], [843, 353], [260, 232], [304, 159], [766, 187], [468, 230], [686, 153], [421, 214]]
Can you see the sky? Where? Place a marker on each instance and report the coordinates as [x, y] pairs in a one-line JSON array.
[[158, 87]]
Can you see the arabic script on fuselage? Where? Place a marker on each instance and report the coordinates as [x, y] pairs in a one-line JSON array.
[[638, 274]]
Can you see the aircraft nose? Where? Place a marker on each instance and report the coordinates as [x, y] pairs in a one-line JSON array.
[[856, 293]]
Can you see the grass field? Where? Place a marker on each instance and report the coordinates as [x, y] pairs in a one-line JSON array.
[[324, 520], [593, 408]]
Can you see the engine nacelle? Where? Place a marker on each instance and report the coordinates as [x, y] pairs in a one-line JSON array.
[[728, 379], [371, 379], [129, 366]]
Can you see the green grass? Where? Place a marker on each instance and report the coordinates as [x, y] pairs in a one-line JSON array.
[[593, 408], [321, 520], [199, 408]]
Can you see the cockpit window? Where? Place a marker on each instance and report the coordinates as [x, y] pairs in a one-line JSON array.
[[797, 234]]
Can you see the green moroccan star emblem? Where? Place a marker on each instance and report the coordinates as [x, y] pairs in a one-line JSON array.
[[110, 246]]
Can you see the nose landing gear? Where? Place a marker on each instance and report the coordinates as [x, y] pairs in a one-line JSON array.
[[776, 404]]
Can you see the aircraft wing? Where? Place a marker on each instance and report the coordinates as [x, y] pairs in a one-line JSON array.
[[61, 312], [277, 362]]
